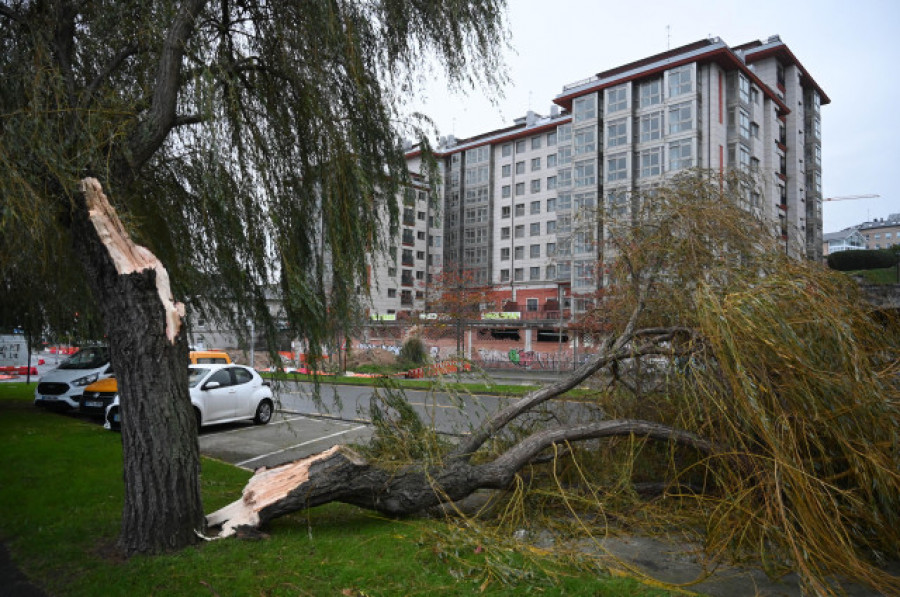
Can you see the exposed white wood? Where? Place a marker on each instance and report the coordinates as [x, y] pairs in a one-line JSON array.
[[127, 256]]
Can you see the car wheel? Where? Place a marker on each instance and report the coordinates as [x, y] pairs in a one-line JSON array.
[[263, 412], [112, 417]]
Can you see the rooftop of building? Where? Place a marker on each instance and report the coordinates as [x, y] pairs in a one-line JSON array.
[[892, 221]]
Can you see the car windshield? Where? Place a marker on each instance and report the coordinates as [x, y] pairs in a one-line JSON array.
[[87, 358], [195, 374]]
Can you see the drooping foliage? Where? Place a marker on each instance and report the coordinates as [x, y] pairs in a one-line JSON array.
[[266, 157], [780, 364]]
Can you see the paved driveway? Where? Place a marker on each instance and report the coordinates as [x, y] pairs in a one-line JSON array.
[[288, 437]]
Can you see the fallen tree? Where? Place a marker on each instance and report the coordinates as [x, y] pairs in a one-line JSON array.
[[775, 412]]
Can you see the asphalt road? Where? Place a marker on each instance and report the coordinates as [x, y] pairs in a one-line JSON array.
[[309, 422]]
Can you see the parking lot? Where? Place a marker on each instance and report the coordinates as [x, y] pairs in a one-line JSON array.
[[288, 437]]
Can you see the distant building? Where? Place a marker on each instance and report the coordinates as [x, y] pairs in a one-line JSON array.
[[848, 239], [881, 234], [526, 209]]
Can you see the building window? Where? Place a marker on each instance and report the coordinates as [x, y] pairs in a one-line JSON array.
[[534, 273], [582, 242], [392, 271], [520, 210], [504, 275], [651, 162], [504, 254], [504, 233], [551, 272], [616, 133], [520, 167], [536, 185], [681, 155], [584, 107], [583, 201], [505, 191], [551, 183], [754, 130], [520, 146], [520, 189], [564, 133], [520, 253], [681, 80], [551, 249], [616, 99], [506, 150], [476, 215], [551, 204], [535, 143], [651, 127], [565, 201], [551, 139], [420, 235], [505, 170], [585, 141], [477, 155], [519, 274], [505, 211], [551, 160], [585, 173], [744, 156], [651, 93], [534, 251], [681, 118], [534, 229], [564, 177], [535, 164], [744, 118], [520, 231], [551, 226], [535, 208], [565, 155], [392, 293], [743, 88], [616, 167]]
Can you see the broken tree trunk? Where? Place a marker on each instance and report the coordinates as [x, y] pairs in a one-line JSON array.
[[162, 510], [341, 475]]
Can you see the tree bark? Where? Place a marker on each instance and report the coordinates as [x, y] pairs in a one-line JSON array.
[[340, 475], [163, 510]]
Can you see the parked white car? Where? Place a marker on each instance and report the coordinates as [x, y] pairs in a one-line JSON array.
[[62, 387], [220, 394]]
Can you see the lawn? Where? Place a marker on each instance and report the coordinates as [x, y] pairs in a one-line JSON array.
[[61, 495]]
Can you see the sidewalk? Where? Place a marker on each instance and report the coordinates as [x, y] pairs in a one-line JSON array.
[[13, 583]]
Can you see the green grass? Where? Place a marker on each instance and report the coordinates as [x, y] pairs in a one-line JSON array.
[[886, 275], [61, 497]]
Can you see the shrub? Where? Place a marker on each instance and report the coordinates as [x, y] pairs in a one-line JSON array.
[[413, 351], [845, 261]]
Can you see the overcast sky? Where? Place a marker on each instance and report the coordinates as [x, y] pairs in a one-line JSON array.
[[850, 48]]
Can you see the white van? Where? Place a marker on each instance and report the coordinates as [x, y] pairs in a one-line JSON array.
[[62, 387]]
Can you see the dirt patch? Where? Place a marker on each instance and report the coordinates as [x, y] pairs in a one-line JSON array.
[[371, 356]]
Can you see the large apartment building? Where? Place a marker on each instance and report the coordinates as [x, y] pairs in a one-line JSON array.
[[521, 206]]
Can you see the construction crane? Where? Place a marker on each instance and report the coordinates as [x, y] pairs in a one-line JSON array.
[[848, 197]]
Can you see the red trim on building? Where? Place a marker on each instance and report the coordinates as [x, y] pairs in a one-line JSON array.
[[720, 98], [495, 137], [723, 56], [784, 53], [721, 159]]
